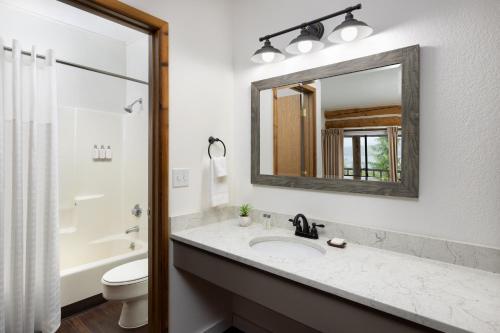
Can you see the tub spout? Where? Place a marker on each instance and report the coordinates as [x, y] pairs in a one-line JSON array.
[[132, 229]]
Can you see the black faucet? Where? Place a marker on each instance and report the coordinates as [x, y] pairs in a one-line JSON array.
[[304, 230]]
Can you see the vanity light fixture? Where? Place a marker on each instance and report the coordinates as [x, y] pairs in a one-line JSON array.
[[350, 30], [267, 54], [309, 39]]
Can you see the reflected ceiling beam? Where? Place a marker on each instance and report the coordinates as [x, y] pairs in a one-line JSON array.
[[378, 111], [363, 122]]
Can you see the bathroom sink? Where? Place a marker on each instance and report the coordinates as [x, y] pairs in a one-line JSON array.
[[286, 247]]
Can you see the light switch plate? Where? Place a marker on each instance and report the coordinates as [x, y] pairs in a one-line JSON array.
[[180, 177]]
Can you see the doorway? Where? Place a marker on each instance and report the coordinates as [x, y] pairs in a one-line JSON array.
[[294, 143], [158, 233]]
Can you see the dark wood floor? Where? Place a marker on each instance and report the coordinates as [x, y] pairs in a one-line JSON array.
[[100, 319]]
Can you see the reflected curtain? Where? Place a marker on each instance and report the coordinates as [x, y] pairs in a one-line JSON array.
[[392, 136], [29, 225], [333, 152]]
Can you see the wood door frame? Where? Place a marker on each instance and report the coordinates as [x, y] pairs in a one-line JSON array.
[[311, 132], [158, 230], [275, 131]]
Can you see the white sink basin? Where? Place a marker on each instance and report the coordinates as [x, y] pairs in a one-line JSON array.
[[287, 247]]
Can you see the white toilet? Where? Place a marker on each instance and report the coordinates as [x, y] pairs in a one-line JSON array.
[[128, 283]]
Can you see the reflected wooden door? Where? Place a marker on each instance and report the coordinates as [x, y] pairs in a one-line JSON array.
[[287, 135], [295, 131]]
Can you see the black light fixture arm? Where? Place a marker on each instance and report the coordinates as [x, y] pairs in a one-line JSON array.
[[303, 25]]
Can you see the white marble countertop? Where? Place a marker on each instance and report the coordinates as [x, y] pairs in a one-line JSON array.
[[443, 296]]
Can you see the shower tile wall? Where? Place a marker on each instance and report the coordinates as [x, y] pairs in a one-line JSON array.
[[135, 129], [114, 186], [100, 215]]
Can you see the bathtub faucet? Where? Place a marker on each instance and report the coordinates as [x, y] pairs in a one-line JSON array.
[[132, 229], [137, 210]]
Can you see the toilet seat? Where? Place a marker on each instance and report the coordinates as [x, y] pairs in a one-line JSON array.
[[129, 273]]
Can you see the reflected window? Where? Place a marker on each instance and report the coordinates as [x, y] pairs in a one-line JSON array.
[[367, 155]]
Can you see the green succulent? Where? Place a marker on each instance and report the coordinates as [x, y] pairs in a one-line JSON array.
[[245, 210]]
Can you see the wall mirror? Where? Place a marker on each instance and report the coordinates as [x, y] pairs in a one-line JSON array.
[[350, 126]]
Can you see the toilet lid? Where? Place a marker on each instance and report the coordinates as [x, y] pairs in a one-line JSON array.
[[132, 272]]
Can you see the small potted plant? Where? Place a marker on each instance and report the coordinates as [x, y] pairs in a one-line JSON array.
[[245, 215]]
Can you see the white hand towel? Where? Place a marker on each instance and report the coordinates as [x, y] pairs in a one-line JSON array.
[[220, 166], [219, 188]]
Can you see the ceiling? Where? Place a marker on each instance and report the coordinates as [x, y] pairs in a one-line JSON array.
[[62, 13], [374, 87]]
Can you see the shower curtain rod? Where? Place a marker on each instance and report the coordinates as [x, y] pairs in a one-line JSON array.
[[87, 68]]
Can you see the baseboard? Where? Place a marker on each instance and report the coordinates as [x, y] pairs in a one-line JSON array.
[[82, 305], [220, 326], [247, 326]]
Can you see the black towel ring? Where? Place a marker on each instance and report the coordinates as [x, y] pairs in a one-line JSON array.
[[211, 141]]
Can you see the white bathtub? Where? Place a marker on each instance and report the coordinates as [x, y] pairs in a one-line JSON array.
[[82, 268]]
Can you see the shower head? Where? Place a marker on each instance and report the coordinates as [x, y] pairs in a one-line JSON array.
[[129, 108]]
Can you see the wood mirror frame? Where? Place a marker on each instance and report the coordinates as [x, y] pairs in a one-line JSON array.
[[409, 58], [158, 231]]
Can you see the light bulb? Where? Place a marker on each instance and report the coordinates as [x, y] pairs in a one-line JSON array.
[[305, 46], [268, 56], [349, 34]]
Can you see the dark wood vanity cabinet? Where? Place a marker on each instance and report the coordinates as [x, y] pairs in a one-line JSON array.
[[313, 308]]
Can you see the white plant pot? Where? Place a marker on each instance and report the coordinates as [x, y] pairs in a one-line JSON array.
[[245, 221]]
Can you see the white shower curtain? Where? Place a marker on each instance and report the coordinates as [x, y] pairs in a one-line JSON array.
[[29, 223]]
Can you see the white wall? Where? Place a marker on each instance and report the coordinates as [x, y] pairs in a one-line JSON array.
[[69, 42], [459, 162], [201, 89], [76, 87], [266, 132], [200, 105], [58, 11]]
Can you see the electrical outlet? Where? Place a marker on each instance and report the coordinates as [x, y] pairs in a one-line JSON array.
[[180, 177]]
